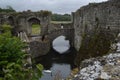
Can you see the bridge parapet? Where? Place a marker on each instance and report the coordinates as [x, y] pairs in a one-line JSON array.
[[55, 26], [68, 33]]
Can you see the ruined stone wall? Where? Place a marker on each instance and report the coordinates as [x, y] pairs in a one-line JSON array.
[[5, 18], [39, 48], [62, 29], [55, 26], [104, 15], [68, 33], [21, 20]]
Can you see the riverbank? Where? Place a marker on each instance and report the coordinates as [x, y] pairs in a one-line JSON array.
[[100, 68]]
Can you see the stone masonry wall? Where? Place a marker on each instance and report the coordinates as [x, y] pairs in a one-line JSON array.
[[20, 20], [39, 48], [105, 15], [62, 29], [55, 26]]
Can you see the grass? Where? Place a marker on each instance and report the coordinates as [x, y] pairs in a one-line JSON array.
[[36, 29], [58, 22]]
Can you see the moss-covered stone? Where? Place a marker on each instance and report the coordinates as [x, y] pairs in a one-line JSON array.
[[96, 44]]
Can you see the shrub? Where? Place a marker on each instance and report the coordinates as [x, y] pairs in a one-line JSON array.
[[12, 60], [6, 27]]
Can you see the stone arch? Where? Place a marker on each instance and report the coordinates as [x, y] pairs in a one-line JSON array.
[[62, 32], [11, 20], [56, 33], [60, 44], [34, 20], [34, 25]]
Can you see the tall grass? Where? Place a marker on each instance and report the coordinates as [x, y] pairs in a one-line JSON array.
[[36, 29]]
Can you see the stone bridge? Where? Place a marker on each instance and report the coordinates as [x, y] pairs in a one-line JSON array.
[[40, 44], [68, 33], [104, 15], [66, 30]]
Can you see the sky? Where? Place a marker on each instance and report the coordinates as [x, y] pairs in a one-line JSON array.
[[56, 6]]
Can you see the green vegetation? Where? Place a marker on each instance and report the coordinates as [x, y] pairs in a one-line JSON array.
[[12, 59], [97, 44], [45, 13], [8, 9], [60, 17], [60, 22], [6, 27], [36, 29]]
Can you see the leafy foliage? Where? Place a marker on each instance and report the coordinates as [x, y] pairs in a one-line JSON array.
[[6, 28], [12, 62], [8, 9], [10, 51], [60, 17]]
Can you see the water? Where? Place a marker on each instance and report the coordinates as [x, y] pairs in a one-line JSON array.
[[58, 64]]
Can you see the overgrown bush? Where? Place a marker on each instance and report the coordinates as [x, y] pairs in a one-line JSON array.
[[7, 9], [6, 28], [12, 63]]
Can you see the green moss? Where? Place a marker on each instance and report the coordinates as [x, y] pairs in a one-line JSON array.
[[94, 45]]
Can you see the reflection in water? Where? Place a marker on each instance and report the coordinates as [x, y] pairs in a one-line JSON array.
[[58, 64], [61, 45], [61, 69]]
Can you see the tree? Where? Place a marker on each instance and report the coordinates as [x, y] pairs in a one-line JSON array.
[[60, 17], [7, 9]]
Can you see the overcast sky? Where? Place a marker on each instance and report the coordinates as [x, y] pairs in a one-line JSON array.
[[56, 6]]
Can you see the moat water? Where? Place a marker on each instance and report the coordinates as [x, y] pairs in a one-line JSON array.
[[57, 64]]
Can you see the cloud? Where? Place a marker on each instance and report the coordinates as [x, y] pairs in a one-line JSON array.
[[56, 6]]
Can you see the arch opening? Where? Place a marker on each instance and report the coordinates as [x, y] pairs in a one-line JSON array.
[[35, 26], [10, 20], [36, 29], [60, 44]]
